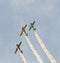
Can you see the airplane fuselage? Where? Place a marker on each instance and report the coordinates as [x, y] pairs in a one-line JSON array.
[[32, 26], [24, 31], [18, 46]]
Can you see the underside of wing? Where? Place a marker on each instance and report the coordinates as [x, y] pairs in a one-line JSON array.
[[21, 33], [21, 51], [20, 43], [16, 50], [33, 22], [25, 26], [30, 28]]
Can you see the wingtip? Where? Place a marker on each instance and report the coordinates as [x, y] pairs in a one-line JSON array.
[[34, 28], [15, 52], [20, 34], [29, 29], [21, 41], [26, 24]]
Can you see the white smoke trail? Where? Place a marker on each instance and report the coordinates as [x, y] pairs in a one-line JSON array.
[[34, 51], [44, 48], [22, 56]]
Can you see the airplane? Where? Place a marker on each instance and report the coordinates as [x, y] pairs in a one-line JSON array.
[[23, 30], [32, 26], [18, 47]]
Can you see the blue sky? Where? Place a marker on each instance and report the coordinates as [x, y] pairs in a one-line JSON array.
[[14, 14]]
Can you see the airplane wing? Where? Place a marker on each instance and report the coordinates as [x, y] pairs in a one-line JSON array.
[[25, 26], [33, 22], [16, 50], [21, 33], [20, 43], [30, 28], [23, 29], [21, 51]]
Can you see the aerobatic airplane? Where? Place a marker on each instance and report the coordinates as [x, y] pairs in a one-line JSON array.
[[32, 26], [18, 47], [23, 30]]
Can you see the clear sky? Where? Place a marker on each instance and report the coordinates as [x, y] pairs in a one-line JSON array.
[[14, 14]]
